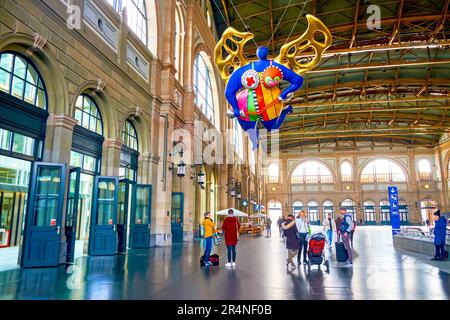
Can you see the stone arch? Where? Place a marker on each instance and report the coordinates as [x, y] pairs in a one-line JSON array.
[[140, 123], [48, 67], [103, 103]]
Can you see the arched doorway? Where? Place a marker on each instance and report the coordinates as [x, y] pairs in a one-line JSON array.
[[385, 212], [297, 206], [369, 212], [427, 208], [313, 212], [328, 208], [350, 206]]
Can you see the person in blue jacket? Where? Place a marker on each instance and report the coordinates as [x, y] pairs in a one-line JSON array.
[[440, 229]]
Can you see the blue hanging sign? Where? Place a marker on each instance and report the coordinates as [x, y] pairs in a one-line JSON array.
[[395, 216]]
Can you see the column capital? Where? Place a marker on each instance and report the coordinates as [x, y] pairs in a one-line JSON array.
[[153, 158], [113, 143], [61, 120]]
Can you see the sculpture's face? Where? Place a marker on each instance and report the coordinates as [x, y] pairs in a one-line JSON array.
[[272, 76]]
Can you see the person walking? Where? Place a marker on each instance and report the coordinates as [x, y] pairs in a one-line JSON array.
[[291, 232], [280, 223], [340, 215], [329, 226], [230, 227], [269, 227], [303, 228], [210, 229], [347, 226], [440, 229]]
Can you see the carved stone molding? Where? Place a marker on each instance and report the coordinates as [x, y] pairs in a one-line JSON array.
[[39, 42], [100, 86]]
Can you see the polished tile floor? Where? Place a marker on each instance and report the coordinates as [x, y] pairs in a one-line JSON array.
[[379, 272]]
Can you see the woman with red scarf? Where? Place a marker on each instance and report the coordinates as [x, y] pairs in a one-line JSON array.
[[230, 227]]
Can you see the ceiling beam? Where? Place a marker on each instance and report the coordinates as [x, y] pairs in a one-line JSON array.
[[225, 9], [349, 26], [355, 25], [392, 64], [396, 29], [364, 111], [271, 25], [366, 102], [391, 130]]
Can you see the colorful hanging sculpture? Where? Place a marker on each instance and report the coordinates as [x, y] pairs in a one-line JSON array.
[[252, 88]]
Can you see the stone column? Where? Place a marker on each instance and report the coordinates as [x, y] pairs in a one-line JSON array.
[[111, 157], [161, 228], [58, 144]]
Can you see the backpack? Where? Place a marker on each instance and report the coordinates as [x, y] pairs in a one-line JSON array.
[[344, 224]]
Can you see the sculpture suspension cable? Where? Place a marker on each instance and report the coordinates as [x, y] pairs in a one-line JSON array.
[[296, 21], [279, 21]]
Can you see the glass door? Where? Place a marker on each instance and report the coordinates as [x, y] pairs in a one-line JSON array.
[[140, 217], [103, 236], [44, 215], [177, 216], [124, 207], [73, 195]]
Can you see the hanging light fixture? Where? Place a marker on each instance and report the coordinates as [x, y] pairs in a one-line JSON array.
[[181, 171], [201, 179]]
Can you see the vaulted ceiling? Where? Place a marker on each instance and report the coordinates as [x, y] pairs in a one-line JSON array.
[[381, 87]]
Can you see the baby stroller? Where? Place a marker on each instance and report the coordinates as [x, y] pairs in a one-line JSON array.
[[316, 254]]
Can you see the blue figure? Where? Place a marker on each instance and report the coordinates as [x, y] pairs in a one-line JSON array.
[[253, 86]]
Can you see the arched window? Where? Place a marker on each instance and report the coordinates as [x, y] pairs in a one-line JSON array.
[[129, 136], [328, 208], [19, 78], [274, 209], [274, 173], [313, 212], [179, 37], [297, 206], [203, 88], [311, 172], [385, 216], [252, 158], [403, 211], [424, 166], [237, 138], [369, 212], [382, 170], [346, 171], [88, 115], [350, 207], [136, 16]]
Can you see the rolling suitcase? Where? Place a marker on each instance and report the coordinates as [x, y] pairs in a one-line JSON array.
[[341, 253]]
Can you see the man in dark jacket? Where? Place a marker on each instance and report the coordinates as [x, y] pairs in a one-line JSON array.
[[440, 229]]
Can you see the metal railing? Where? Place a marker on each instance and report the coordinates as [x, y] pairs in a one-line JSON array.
[[419, 233]]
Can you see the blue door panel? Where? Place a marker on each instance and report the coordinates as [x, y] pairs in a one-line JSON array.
[[140, 219], [177, 216], [103, 236], [43, 218]]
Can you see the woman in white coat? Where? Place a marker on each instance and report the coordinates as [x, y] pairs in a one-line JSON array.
[[329, 226]]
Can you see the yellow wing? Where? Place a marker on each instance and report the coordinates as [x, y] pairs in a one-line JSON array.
[[290, 51], [235, 57]]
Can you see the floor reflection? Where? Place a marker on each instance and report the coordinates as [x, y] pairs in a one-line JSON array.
[[379, 272]]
